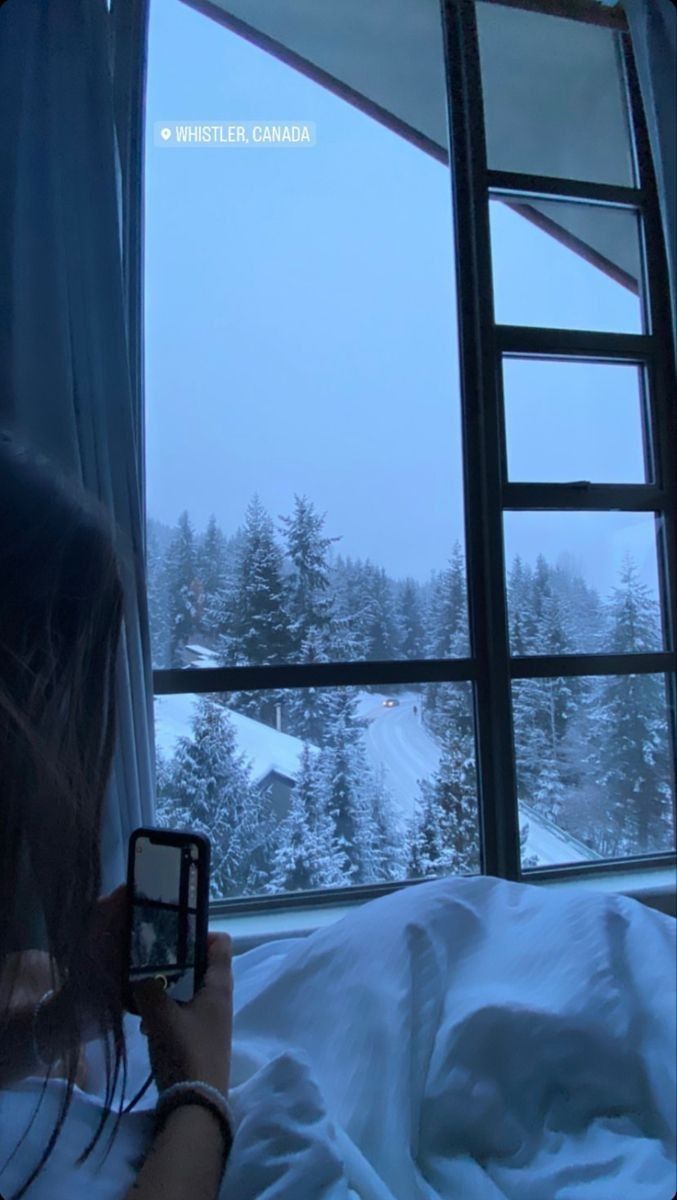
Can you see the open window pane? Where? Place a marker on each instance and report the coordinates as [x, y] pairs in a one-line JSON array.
[[302, 374], [322, 787], [566, 265], [554, 96], [582, 582], [594, 772], [573, 420]]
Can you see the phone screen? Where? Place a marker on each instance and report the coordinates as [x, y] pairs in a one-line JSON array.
[[164, 915]]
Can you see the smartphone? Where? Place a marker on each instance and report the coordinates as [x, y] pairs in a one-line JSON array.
[[168, 895]]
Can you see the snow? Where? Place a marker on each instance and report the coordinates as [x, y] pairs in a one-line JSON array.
[[396, 741], [204, 656], [266, 748], [550, 845]]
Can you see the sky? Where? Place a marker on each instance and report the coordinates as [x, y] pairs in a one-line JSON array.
[[301, 328]]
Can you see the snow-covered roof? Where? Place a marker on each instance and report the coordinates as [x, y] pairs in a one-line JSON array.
[[266, 749]]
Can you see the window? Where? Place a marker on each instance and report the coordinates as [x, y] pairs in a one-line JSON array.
[[409, 532]]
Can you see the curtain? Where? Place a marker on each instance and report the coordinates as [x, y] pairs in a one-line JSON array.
[[68, 382], [653, 29]]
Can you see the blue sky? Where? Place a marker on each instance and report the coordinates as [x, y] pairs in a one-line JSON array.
[[301, 328]]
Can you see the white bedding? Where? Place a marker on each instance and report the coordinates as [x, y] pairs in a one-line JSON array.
[[461, 1040]]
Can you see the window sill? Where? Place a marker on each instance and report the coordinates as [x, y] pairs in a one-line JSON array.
[[655, 887]]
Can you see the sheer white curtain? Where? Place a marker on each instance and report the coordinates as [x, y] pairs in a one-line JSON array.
[[68, 381]]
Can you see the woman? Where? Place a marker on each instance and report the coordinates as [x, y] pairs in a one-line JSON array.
[[60, 616]]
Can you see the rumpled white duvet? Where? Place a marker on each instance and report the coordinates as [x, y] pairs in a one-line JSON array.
[[460, 1040]]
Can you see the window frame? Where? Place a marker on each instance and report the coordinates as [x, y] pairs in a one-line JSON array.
[[487, 492]]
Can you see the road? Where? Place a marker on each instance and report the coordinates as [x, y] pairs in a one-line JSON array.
[[397, 741]]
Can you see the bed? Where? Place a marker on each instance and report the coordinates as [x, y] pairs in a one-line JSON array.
[[470, 1039]]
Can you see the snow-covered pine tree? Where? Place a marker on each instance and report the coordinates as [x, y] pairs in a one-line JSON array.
[[339, 780], [445, 836], [211, 569], [348, 639], [630, 756], [355, 796], [374, 612], [307, 712], [307, 854], [260, 620], [182, 589], [221, 613], [157, 539], [260, 634], [208, 786], [389, 850], [447, 633], [426, 837], [411, 620], [541, 621], [309, 598], [580, 604]]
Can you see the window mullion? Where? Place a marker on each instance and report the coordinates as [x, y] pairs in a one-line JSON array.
[[550, 666], [584, 497], [518, 183], [530, 339], [481, 446]]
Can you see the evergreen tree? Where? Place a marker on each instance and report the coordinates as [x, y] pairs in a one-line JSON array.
[[447, 637], [348, 640], [388, 846], [447, 618], [307, 854], [222, 611], [445, 834], [211, 567], [541, 622], [411, 621], [355, 797], [630, 755], [374, 612], [182, 589], [308, 591], [308, 712], [157, 589], [209, 788], [260, 622]]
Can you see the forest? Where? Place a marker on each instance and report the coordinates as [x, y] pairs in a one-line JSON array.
[[592, 754]]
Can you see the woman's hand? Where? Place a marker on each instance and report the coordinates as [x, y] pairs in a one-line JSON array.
[[192, 1041]]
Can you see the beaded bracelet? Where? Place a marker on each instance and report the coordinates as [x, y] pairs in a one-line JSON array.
[[195, 1091]]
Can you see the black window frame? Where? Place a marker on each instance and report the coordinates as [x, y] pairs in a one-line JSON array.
[[490, 668]]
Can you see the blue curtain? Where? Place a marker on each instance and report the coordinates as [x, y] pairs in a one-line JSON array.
[[70, 367]]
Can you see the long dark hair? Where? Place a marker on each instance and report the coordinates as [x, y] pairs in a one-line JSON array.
[[61, 603]]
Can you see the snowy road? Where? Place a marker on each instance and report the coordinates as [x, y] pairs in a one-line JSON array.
[[398, 742]]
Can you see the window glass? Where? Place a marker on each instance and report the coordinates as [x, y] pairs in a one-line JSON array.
[[565, 265], [582, 583], [301, 371], [554, 96], [322, 787], [594, 772], [573, 420]]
